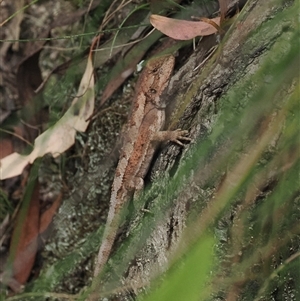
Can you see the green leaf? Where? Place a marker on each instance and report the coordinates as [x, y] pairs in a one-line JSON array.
[[187, 280]]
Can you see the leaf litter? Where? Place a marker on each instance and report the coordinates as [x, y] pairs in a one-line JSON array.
[[61, 136], [182, 29]]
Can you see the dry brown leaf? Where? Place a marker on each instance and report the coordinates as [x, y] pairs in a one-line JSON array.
[[6, 147], [61, 136], [182, 29], [24, 242]]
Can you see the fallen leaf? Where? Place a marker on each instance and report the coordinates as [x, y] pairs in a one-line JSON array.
[[12, 165], [6, 147], [182, 29], [61, 136], [24, 242]]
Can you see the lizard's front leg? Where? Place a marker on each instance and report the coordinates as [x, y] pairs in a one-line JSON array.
[[174, 136]]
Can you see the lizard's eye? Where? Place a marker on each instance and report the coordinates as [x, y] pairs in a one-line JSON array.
[[153, 91], [154, 70]]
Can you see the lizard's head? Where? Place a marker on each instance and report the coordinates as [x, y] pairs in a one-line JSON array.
[[159, 72]]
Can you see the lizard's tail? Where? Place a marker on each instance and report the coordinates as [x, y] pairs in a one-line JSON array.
[[109, 236]]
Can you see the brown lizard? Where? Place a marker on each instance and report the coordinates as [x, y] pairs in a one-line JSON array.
[[141, 140]]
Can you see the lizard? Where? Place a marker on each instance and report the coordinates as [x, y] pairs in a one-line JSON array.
[[143, 135]]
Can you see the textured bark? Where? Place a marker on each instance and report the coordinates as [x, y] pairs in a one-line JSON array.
[[197, 92]]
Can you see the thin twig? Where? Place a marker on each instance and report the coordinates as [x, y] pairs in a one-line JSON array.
[[16, 135]]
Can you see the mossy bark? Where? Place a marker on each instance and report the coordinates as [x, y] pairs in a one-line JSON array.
[[256, 59]]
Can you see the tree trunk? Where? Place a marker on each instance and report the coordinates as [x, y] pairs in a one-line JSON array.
[[229, 105]]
